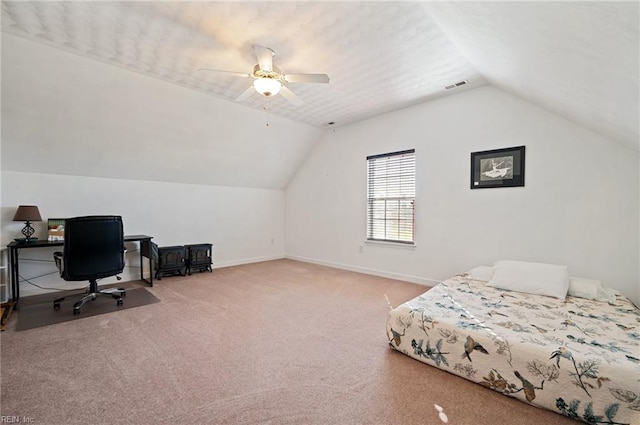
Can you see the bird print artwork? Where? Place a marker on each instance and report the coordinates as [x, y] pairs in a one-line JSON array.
[[528, 387], [633, 359], [625, 328], [397, 337], [539, 329], [627, 396], [494, 311], [470, 345], [561, 352]]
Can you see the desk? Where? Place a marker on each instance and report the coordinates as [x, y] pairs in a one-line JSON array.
[[15, 247]]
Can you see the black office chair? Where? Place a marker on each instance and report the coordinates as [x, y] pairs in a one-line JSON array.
[[93, 249]]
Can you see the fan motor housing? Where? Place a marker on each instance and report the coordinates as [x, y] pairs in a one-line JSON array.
[[263, 73]]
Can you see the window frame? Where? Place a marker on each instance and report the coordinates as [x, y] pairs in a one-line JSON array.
[[403, 186]]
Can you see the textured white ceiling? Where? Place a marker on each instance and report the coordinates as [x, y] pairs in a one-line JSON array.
[[578, 59]]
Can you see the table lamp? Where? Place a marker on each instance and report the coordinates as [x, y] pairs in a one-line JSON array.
[[27, 213]]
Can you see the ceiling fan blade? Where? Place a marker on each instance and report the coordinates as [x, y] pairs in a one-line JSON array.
[[307, 78], [230, 73], [290, 96], [265, 57], [246, 94]]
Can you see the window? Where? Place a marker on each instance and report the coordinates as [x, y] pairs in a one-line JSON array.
[[391, 192]]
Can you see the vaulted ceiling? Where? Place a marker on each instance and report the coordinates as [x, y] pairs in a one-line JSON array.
[[577, 59]]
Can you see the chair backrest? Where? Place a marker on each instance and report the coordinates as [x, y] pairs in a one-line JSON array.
[[93, 247]]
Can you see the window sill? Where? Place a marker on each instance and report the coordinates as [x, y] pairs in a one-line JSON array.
[[391, 244]]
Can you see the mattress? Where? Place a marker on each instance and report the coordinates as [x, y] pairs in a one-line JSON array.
[[576, 357]]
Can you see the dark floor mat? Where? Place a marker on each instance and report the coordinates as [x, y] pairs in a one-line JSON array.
[[37, 315]]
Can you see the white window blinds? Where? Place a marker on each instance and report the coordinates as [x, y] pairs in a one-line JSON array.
[[391, 191]]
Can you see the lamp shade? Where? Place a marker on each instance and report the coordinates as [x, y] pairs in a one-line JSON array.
[[27, 213], [267, 86]]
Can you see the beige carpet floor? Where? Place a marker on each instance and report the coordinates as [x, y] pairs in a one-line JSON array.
[[279, 342]]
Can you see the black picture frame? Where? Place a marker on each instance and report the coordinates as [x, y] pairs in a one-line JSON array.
[[497, 168]]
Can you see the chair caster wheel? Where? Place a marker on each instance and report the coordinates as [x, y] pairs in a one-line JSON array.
[[56, 306], [119, 302], [76, 311]]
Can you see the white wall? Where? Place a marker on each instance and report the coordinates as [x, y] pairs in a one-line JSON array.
[[579, 206], [244, 224], [84, 137], [71, 115], [63, 114]]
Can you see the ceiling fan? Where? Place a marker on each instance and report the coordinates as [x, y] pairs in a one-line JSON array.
[[269, 79]]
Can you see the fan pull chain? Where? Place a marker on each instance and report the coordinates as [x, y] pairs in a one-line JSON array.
[[265, 107]]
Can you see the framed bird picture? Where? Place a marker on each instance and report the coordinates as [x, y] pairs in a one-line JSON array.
[[498, 168]]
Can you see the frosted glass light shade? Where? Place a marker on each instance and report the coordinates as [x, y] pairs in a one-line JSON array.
[[267, 86]]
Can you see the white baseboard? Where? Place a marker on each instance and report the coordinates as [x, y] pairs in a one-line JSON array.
[[391, 275], [219, 265]]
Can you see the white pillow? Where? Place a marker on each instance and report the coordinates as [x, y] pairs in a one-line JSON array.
[[583, 288], [481, 273], [607, 295], [591, 289], [533, 278]]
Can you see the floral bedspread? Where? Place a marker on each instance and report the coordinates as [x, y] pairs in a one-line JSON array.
[[576, 357]]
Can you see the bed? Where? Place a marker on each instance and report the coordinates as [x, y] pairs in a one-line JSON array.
[[574, 356]]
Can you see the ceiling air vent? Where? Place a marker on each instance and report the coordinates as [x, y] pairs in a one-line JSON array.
[[454, 85]]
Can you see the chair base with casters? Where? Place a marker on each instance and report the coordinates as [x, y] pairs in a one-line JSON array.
[[115, 293], [93, 291]]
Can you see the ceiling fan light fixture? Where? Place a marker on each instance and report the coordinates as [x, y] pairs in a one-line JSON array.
[[268, 79], [267, 86]]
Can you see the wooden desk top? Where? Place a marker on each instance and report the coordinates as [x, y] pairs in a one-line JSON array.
[[39, 243]]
